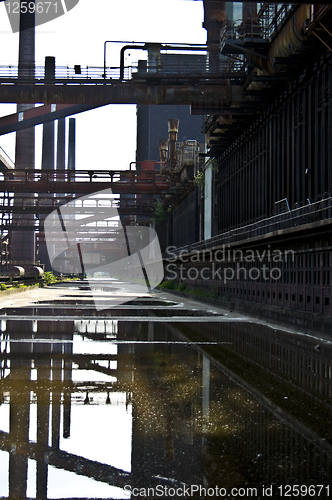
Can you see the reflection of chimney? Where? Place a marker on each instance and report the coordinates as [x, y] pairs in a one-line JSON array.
[[72, 144], [173, 127], [163, 148]]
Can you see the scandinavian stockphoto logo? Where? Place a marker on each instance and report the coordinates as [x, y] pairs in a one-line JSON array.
[[86, 236], [43, 10]]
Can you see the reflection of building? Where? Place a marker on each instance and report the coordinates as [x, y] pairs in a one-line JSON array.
[[196, 418]]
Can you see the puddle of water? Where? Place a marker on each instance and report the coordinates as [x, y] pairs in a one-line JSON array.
[[79, 301], [94, 408], [72, 309]]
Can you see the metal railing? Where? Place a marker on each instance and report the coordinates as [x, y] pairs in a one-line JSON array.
[[74, 176], [263, 26], [168, 66], [74, 72], [314, 212]]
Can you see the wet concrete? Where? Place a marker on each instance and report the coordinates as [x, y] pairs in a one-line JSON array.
[[158, 398]]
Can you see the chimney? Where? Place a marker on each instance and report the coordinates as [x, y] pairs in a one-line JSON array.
[[48, 128]]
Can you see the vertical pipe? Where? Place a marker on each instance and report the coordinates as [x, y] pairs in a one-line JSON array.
[[48, 128], [329, 127], [309, 139], [47, 164], [72, 144], [61, 145], [214, 19], [316, 139], [322, 133]]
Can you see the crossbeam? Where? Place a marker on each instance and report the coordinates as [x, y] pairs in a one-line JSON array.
[[41, 114], [100, 92], [84, 181]]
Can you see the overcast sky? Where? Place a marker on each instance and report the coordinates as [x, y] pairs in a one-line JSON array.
[[106, 138]]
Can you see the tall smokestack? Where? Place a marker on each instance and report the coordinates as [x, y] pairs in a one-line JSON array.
[[22, 243], [48, 128], [173, 128], [47, 164]]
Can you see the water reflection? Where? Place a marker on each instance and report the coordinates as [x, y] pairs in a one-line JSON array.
[[90, 406]]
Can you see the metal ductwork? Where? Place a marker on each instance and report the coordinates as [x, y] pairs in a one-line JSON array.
[[290, 38]]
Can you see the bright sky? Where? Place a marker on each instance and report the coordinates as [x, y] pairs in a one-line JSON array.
[[106, 138]]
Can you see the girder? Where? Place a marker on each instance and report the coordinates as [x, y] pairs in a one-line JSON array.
[[99, 92], [43, 205], [84, 181], [41, 114]]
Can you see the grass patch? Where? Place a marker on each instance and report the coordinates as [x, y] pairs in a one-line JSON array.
[[182, 287]]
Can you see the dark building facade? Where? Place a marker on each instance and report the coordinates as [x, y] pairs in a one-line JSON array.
[[264, 242]]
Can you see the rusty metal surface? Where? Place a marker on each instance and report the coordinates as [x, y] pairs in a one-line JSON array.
[[41, 114], [83, 181], [290, 38], [95, 92], [43, 204]]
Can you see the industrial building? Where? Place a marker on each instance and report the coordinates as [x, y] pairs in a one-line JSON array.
[[260, 216], [107, 393], [259, 189]]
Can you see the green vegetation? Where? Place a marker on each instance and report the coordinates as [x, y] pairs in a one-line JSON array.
[[170, 284], [182, 287], [159, 213], [49, 278], [199, 179]]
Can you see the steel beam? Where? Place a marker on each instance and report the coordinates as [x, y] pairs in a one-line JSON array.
[[84, 187], [99, 93], [42, 114], [83, 181]]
